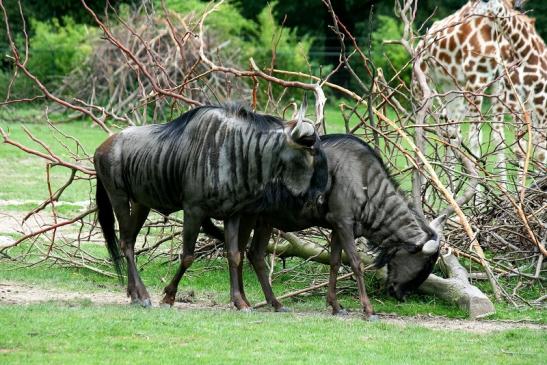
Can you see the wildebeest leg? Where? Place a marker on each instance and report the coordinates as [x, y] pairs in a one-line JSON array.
[[245, 227], [130, 222], [192, 224], [346, 239], [231, 230], [257, 252], [335, 261]]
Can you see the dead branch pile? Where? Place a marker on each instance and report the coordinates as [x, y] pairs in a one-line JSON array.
[[167, 42]]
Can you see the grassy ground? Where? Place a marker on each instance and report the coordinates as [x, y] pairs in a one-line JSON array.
[[23, 177], [84, 333]]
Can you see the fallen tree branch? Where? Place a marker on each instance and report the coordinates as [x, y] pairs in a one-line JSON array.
[[302, 291]]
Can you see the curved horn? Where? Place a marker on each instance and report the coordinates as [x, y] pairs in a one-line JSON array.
[[430, 247], [303, 108], [302, 129], [438, 223]]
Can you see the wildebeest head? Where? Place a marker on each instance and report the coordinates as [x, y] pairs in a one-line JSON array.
[[408, 267], [298, 155]]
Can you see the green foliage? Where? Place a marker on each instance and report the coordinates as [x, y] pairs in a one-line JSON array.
[[21, 87], [253, 38], [291, 50], [56, 49], [227, 21], [391, 58]]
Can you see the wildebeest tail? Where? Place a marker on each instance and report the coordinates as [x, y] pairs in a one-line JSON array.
[[106, 219]]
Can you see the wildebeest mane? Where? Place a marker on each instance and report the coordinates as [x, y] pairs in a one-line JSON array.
[[343, 138], [258, 121]]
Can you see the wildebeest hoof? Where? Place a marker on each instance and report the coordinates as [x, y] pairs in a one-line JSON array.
[[136, 301], [146, 303], [341, 312], [168, 300], [373, 318], [282, 310]]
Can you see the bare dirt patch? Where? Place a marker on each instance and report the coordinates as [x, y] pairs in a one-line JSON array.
[[440, 323], [12, 293], [24, 294]]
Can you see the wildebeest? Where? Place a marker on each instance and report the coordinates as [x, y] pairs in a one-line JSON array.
[[361, 200], [218, 162]]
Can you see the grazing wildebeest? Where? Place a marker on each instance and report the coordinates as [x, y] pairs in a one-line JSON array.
[[361, 200], [218, 162]]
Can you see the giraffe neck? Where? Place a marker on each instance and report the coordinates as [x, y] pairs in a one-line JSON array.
[[520, 34]]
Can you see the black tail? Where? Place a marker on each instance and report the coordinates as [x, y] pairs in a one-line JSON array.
[[105, 215]]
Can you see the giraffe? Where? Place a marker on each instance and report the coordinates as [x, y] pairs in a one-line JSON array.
[[525, 77], [463, 55]]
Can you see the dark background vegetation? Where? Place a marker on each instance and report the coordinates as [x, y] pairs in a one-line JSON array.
[[305, 18]]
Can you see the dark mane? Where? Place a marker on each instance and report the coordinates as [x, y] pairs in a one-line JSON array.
[[340, 137], [259, 121], [234, 110]]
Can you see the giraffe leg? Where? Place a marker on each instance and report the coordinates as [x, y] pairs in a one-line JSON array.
[[475, 135], [539, 138], [455, 110], [498, 139]]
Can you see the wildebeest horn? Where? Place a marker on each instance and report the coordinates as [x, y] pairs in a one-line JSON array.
[[303, 108], [302, 129], [430, 247], [438, 223]]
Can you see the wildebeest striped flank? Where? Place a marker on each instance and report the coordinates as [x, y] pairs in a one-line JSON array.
[[361, 200], [218, 162]]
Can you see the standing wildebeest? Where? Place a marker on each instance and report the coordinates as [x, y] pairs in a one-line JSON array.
[[217, 162], [361, 199]]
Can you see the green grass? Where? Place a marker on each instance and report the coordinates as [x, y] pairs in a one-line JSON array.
[[210, 281], [23, 177], [85, 334]]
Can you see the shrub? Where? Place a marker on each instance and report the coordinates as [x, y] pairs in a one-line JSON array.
[[391, 58], [57, 49], [22, 86]]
